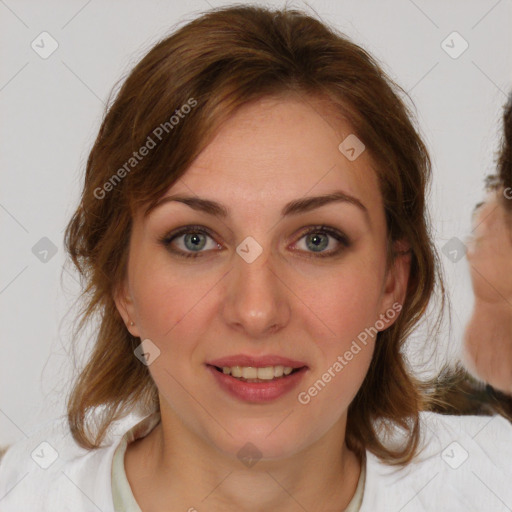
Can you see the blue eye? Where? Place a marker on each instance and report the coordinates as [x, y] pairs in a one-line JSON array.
[[193, 241], [318, 238]]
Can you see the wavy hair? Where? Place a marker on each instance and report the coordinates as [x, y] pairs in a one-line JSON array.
[[223, 60]]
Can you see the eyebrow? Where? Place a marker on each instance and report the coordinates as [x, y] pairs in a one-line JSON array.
[[294, 207]]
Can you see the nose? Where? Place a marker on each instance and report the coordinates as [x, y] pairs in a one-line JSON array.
[[257, 301]]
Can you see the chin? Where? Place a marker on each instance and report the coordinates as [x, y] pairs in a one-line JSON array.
[[257, 439]]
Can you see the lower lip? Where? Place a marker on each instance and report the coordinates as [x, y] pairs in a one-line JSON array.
[[257, 392]]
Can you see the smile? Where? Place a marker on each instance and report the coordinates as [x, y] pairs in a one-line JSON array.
[[256, 385], [252, 374]]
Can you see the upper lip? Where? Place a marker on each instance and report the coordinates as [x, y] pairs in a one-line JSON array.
[[256, 361]]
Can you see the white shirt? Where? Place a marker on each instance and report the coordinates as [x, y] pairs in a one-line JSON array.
[[466, 465]]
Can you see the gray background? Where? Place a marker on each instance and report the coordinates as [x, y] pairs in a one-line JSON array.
[[51, 110]]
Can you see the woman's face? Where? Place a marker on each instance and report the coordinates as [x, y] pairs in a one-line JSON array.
[[251, 271]]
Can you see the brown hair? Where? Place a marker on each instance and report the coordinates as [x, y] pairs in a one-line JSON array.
[[505, 159], [503, 178], [223, 60], [458, 392]]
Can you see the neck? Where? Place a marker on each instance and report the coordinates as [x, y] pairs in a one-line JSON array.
[[173, 468]]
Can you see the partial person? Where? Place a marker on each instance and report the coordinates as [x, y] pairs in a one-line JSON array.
[[488, 335]]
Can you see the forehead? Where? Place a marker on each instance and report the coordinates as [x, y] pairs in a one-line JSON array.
[[278, 149]]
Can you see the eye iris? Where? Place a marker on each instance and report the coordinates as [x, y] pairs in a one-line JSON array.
[[197, 240], [318, 242]]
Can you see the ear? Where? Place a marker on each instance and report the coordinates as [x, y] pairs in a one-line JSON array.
[[395, 282], [125, 306]]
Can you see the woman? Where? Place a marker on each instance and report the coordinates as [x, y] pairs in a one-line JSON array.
[[253, 236]]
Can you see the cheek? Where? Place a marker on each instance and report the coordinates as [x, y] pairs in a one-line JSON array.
[[345, 309], [349, 306], [166, 296], [327, 393], [346, 300]]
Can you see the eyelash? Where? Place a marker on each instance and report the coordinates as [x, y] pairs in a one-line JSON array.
[[167, 239]]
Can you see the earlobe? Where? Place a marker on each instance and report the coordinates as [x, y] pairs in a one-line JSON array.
[[125, 307], [396, 281]]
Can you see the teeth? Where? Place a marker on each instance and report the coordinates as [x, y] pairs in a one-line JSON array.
[[249, 372], [236, 371]]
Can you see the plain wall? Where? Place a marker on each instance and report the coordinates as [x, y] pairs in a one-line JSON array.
[[51, 111]]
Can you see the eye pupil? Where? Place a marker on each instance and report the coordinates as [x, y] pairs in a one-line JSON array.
[[319, 242], [195, 239]]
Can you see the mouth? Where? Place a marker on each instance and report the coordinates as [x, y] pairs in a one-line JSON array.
[[258, 375], [257, 380]]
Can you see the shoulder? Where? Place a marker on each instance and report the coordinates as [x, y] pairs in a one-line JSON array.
[[49, 471], [464, 463]]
